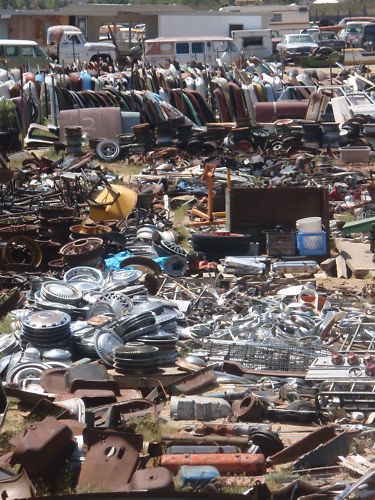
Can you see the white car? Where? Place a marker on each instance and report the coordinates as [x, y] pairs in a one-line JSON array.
[[314, 32], [293, 45]]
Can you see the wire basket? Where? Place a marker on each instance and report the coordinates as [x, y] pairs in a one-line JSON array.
[[260, 356]]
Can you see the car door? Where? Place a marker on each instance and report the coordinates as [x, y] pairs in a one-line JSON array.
[[27, 57], [41, 59]]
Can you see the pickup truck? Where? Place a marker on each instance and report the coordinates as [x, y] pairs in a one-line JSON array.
[[330, 39], [366, 39], [67, 44], [344, 21]]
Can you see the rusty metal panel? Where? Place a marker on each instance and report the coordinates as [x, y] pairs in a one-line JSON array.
[[100, 385], [53, 380], [90, 371], [252, 464], [27, 398], [91, 396], [43, 446], [110, 461], [76, 427], [157, 479], [45, 408], [325, 454], [194, 382], [99, 123], [255, 210], [111, 415], [271, 111], [184, 437], [305, 445]]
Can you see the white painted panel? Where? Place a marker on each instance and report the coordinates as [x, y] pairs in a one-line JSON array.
[[203, 25]]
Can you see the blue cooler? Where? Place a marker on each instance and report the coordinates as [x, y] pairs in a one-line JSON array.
[[197, 476]]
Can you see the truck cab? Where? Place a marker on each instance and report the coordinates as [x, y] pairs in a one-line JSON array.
[[69, 45], [366, 39]]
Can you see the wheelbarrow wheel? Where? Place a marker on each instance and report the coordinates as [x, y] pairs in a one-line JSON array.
[[108, 150]]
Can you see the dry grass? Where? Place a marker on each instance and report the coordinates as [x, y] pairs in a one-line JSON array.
[[5, 324], [279, 478], [180, 215], [151, 429], [180, 218], [123, 168], [13, 426]]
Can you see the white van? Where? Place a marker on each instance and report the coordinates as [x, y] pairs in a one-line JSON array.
[[203, 49], [24, 54]]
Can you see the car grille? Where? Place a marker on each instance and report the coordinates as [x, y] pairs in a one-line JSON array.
[[300, 50]]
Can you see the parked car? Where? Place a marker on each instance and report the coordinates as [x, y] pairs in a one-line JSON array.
[[292, 45], [68, 44], [24, 54], [344, 21], [330, 39], [351, 32], [314, 32], [366, 39]]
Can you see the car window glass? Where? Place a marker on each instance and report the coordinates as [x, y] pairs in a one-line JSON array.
[[74, 39], [233, 47], [39, 52], [299, 39], [11, 51], [221, 46], [27, 51], [182, 48], [197, 48]]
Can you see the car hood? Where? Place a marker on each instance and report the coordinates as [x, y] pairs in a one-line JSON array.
[[300, 44], [100, 45]]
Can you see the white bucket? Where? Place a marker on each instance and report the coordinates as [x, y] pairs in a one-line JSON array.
[[309, 225]]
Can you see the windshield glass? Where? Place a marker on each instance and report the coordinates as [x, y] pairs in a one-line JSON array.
[[299, 39], [354, 28], [328, 36], [233, 47]]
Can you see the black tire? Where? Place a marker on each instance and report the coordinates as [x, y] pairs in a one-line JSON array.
[[108, 150]]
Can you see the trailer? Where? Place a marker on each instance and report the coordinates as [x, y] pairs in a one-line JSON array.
[[256, 43]]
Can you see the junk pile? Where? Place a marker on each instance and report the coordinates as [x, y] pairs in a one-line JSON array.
[[184, 318], [148, 363]]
